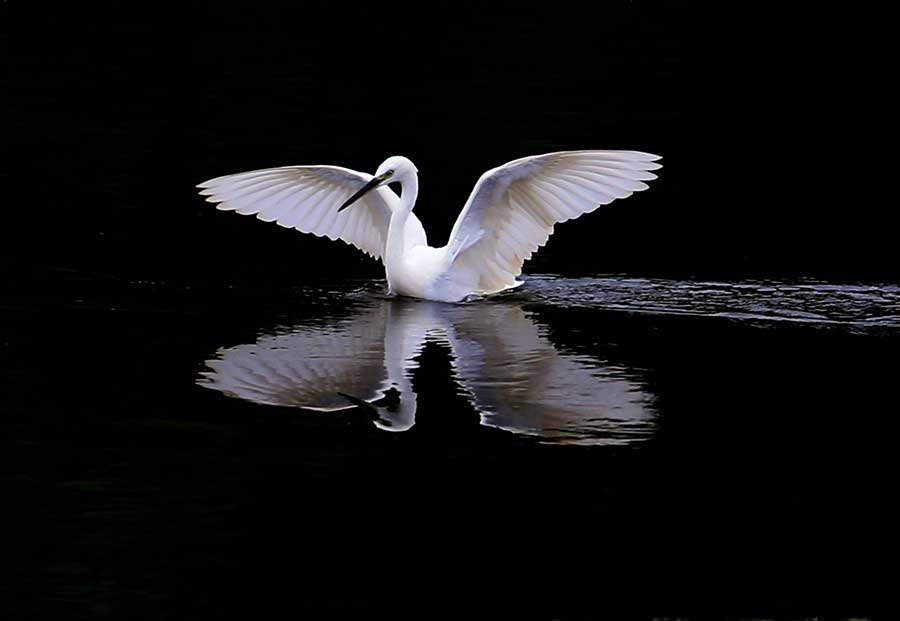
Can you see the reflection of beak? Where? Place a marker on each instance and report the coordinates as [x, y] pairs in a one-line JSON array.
[[373, 183]]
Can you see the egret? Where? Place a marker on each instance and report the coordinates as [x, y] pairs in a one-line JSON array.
[[509, 215]]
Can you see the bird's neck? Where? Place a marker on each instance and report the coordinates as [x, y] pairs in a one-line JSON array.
[[409, 191], [396, 241]]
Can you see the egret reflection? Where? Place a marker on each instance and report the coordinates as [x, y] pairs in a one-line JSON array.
[[502, 362]]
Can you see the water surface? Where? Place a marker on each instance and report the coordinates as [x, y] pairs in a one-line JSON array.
[[727, 443], [856, 306], [362, 349]]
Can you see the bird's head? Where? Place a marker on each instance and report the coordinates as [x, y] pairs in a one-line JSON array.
[[394, 168]]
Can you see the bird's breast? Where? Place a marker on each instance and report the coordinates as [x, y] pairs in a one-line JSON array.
[[415, 272]]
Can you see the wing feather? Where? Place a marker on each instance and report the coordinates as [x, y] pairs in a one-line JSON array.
[[306, 198], [513, 209]]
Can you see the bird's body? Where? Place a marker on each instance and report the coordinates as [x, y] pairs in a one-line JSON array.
[[509, 215]]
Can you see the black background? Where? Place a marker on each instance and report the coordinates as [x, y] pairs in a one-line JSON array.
[[111, 116], [767, 122]]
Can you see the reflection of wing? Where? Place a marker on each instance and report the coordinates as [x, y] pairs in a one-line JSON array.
[[520, 382], [513, 375], [310, 366]]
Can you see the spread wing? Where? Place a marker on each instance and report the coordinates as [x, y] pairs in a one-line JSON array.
[[307, 198], [513, 209]]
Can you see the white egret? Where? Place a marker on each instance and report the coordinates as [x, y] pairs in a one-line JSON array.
[[509, 215]]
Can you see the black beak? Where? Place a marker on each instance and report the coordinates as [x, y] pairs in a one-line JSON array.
[[375, 181]]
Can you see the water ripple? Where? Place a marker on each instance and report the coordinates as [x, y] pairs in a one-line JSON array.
[[855, 305]]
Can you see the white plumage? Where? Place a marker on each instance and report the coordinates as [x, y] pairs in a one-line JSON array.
[[509, 215]]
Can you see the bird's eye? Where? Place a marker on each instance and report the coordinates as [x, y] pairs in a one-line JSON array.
[[390, 172]]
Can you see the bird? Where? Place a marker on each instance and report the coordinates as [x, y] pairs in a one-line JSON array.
[[510, 214], [503, 365]]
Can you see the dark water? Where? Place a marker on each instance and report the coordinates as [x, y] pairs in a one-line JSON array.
[[579, 448], [503, 362]]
